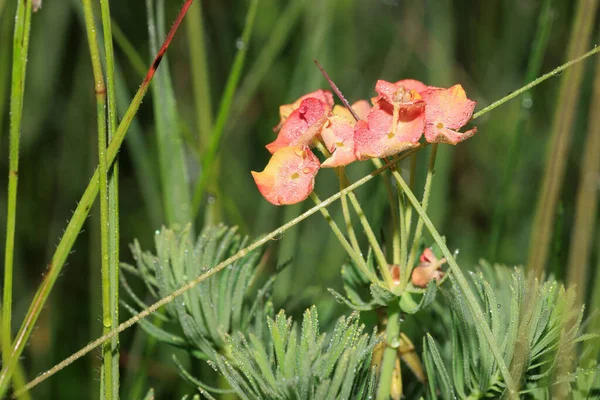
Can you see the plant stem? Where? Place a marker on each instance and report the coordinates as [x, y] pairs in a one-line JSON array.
[[200, 74], [356, 256], [534, 65], [397, 226], [582, 234], [19, 67], [74, 226], [100, 89], [464, 286], [113, 201], [388, 363], [224, 108], [561, 134], [424, 204], [346, 212]]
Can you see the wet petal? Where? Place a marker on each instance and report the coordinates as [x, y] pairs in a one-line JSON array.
[[360, 107], [379, 138], [447, 111], [285, 110], [395, 94], [302, 125], [338, 135], [289, 176]]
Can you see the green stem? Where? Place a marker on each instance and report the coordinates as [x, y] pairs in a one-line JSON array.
[[397, 227], [100, 89], [392, 342], [562, 130], [354, 255], [20, 51], [463, 284], [200, 74], [424, 204], [113, 200], [379, 256], [224, 108], [74, 226], [534, 65]]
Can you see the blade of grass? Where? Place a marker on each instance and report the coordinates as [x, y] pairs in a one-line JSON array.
[[200, 74], [560, 139], [107, 387], [79, 216], [210, 154], [113, 200], [5, 47], [19, 378], [582, 233], [19, 67], [591, 348], [534, 65], [173, 171]]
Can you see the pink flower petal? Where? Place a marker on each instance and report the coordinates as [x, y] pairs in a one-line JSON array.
[[412, 84], [447, 111], [338, 135], [302, 125], [289, 176], [377, 137], [285, 110]]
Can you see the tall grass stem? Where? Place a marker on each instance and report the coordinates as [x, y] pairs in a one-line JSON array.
[[80, 214], [22, 31]]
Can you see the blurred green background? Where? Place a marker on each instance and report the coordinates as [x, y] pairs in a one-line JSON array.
[[484, 45]]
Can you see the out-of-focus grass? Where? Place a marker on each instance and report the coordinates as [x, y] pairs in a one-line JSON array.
[[483, 45]]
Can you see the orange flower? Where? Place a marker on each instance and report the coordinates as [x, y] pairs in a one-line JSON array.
[[289, 176], [429, 268], [302, 125], [447, 111], [395, 123], [338, 133], [285, 110]]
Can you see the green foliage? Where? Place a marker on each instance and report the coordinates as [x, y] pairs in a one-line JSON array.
[[534, 324], [220, 305], [362, 295], [305, 366]]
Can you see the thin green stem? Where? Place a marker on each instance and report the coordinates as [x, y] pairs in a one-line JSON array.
[[100, 89], [392, 342], [210, 154], [534, 65], [397, 227], [425, 202], [463, 284], [346, 212], [200, 74], [354, 255], [535, 82], [74, 226], [562, 130], [113, 202], [379, 256], [183, 289], [19, 378], [19, 67]]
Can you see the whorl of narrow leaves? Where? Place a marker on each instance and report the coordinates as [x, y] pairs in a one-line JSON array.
[[533, 324], [219, 305], [302, 365]]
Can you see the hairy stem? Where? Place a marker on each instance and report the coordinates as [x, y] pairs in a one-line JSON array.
[[19, 67], [392, 342]]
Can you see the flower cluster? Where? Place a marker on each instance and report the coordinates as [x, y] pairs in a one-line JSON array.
[[395, 121]]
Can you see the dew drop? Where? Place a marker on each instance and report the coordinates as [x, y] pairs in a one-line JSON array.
[[239, 44]]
